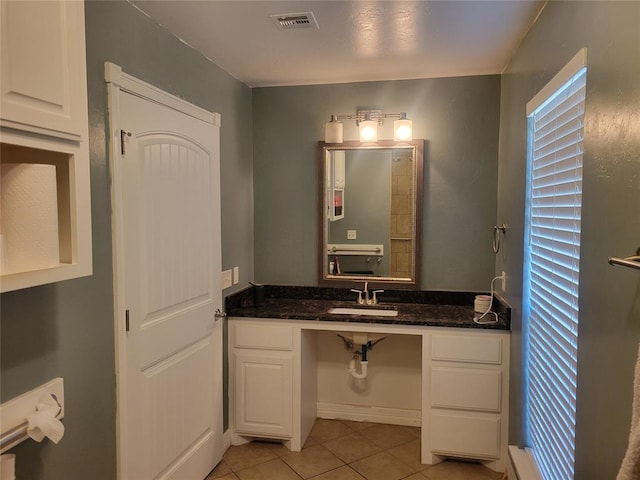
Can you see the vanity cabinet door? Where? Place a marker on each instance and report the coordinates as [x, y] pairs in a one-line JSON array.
[[263, 392], [44, 68]]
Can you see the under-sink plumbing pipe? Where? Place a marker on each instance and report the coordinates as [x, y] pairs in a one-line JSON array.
[[363, 364], [363, 367], [360, 356]]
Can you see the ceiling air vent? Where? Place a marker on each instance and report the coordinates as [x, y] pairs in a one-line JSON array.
[[287, 21]]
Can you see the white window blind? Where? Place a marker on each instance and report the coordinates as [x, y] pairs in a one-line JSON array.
[[552, 267]]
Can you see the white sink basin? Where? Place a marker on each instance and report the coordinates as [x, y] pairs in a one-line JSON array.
[[364, 311]]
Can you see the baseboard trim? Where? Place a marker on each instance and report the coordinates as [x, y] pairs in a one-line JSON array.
[[226, 440], [364, 413]]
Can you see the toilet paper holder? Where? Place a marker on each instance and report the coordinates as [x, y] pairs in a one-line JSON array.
[[14, 412]]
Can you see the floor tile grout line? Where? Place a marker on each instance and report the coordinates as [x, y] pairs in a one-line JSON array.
[[331, 470], [382, 450], [235, 472]]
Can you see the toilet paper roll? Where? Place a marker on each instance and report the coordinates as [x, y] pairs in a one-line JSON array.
[[8, 466], [29, 217], [44, 423]]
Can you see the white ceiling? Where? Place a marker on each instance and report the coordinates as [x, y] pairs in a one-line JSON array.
[[357, 40]]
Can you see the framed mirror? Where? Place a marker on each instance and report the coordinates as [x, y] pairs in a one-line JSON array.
[[370, 211]]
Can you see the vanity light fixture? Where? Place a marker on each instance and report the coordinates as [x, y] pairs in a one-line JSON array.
[[368, 122], [368, 129], [403, 129], [333, 131]]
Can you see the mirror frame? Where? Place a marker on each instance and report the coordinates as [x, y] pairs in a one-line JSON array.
[[347, 280]]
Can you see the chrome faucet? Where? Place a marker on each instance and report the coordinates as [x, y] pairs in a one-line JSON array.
[[374, 299], [366, 299], [362, 301]]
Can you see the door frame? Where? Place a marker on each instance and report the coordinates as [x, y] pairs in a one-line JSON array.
[[118, 81]]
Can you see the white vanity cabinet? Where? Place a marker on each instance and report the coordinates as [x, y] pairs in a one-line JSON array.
[[44, 120], [466, 407], [261, 377], [465, 375]]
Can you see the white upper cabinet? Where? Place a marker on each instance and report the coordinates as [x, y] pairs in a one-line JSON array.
[[45, 233], [43, 87], [339, 180], [335, 168]]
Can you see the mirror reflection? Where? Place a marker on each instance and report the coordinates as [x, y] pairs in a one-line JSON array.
[[371, 197]]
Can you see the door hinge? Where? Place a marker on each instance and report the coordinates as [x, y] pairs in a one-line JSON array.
[[126, 320], [122, 140]]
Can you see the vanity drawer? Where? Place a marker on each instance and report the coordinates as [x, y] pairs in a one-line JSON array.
[[466, 348], [466, 388], [264, 337], [481, 438]]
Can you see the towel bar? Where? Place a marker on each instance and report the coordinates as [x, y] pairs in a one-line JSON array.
[[13, 437], [630, 262], [355, 249]]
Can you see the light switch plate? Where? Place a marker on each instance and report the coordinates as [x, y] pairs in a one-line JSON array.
[[226, 279], [352, 234], [236, 275]]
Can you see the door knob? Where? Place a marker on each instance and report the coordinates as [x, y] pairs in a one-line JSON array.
[[219, 315]]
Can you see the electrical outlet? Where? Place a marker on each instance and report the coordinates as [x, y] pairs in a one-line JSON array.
[[504, 281], [226, 280], [236, 275], [352, 234]]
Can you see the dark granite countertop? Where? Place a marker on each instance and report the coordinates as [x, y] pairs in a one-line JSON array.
[[421, 308]]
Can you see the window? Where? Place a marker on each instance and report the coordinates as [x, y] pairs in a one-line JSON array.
[[552, 268]]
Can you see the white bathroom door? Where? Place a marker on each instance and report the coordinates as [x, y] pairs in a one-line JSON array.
[[171, 419]]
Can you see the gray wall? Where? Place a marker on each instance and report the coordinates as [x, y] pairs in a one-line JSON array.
[[66, 329], [458, 118], [609, 296]]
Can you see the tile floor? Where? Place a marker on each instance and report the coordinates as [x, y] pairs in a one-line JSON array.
[[343, 450]]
